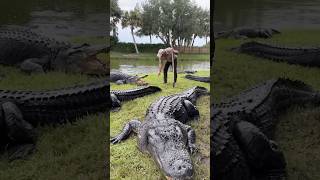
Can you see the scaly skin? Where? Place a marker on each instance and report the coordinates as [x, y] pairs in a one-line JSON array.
[[165, 136], [301, 56], [198, 78], [21, 111], [122, 78], [247, 32], [242, 129], [35, 53], [118, 96]]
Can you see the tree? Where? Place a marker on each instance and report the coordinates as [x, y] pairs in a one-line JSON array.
[[175, 18], [133, 20], [115, 15]]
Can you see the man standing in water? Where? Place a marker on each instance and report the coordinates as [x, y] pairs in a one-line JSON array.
[[166, 56]]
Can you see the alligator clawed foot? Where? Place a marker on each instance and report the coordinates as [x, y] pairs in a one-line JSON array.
[[115, 140], [193, 149]]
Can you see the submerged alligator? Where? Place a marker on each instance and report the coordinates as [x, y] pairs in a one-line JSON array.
[[21, 111], [242, 129], [33, 52], [301, 56], [164, 135], [198, 78], [118, 96], [247, 33], [122, 78]]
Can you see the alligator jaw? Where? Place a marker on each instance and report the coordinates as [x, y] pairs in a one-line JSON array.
[[167, 145]]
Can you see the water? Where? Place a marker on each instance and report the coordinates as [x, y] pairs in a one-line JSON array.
[[151, 66], [282, 14], [60, 19]]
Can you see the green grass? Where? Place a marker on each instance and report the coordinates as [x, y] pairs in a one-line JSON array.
[[298, 130], [127, 162], [69, 151], [118, 55]]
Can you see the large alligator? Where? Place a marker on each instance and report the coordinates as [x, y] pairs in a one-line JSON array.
[[33, 52], [165, 136], [21, 111], [301, 56], [198, 78], [242, 129], [122, 78], [118, 96], [247, 32]]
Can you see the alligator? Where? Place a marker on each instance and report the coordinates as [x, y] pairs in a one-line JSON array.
[[301, 56], [198, 78], [187, 72], [165, 136], [118, 96], [36, 53], [122, 78], [243, 127], [22, 111], [247, 32]]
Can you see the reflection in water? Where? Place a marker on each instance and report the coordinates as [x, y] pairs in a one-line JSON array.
[[267, 13], [61, 18], [151, 66]]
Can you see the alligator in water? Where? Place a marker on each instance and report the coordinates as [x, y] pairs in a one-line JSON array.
[[165, 136], [21, 111], [198, 78], [118, 96], [122, 78], [247, 33], [302, 56], [33, 52], [242, 129]]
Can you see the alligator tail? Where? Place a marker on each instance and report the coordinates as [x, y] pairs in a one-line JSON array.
[[125, 95]]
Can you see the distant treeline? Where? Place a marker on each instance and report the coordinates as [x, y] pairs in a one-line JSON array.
[[129, 47]]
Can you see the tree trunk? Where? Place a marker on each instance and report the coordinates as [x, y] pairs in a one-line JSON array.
[[150, 39], [206, 40], [134, 41], [194, 36]]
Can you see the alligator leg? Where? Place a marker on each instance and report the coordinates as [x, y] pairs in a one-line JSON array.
[[191, 139], [263, 154], [119, 82], [192, 110], [115, 102], [21, 134], [131, 126], [34, 65]]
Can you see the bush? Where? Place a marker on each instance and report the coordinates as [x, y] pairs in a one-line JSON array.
[[129, 47]]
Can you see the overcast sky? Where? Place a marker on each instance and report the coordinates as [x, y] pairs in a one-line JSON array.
[[125, 35]]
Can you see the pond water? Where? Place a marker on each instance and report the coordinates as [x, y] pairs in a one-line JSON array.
[[151, 66], [59, 18], [282, 14]]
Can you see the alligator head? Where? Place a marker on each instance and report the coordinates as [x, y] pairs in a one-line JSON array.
[[82, 59], [138, 80], [166, 140]]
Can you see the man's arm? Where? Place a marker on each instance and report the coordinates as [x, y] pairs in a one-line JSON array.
[[160, 66]]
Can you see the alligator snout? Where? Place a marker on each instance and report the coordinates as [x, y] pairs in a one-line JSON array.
[[182, 169]]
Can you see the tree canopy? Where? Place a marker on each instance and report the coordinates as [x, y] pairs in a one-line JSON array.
[[181, 20]]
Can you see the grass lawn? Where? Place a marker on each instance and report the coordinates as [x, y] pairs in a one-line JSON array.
[[69, 151], [127, 162], [298, 131], [142, 56]]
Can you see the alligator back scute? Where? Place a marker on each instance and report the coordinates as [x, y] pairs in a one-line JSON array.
[[303, 56], [46, 107], [20, 44]]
